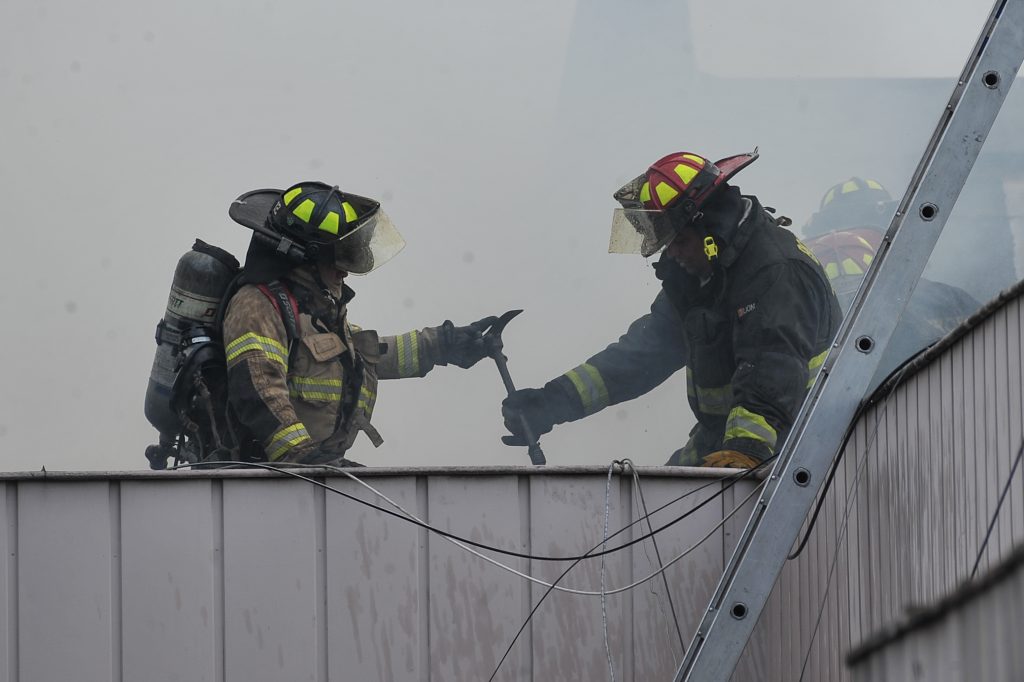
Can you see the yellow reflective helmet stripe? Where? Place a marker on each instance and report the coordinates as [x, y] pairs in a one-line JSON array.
[[832, 270], [875, 185], [289, 196], [666, 192], [849, 186], [686, 173], [305, 209], [590, 386], [742, 423], [330, 223], [829, 196], [850, 267], [285, 439], [865, 243], [350, 213], [696, 159]]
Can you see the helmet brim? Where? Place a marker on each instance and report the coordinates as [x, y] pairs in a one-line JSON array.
[[252, 208], [731, 165]]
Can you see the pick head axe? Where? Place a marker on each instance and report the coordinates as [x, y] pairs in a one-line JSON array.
[[492, 337]]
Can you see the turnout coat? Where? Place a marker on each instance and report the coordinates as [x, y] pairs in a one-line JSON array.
[[752, 338]]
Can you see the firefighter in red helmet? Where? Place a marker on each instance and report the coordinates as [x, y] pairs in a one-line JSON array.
[[845, 233], [743, 306]]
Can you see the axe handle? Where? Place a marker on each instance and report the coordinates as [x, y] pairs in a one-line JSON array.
[[536, 454]]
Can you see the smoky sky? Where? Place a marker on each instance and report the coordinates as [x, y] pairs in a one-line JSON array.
[[493, 133]]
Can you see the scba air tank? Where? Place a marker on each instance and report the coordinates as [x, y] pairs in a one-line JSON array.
[[200, 282]]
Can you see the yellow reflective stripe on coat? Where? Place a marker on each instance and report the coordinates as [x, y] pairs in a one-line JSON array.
[[743, 423], [408, 354], [286, 439], [366, 400], [716, 400], [273, 348], [590, 385], [813, 365], [311, 388]]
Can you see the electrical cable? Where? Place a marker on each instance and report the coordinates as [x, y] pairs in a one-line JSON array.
[[538, 581], [999, 504], [604, 596], [455, 539], [888, 385], [849, 507], [732, 481], [851, 501], [592, 555], [642, 503], [821, 495]]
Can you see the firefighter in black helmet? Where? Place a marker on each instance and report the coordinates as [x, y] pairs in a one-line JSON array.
[[744, 306], [302, 379]]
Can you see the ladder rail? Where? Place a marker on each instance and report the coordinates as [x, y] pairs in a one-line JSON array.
[[819, 429]]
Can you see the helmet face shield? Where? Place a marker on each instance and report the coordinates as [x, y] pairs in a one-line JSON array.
[[640, 231], [374, 242]]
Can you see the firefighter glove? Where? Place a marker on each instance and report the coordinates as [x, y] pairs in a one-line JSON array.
[[465, 346], [540, 408], [730, 459]]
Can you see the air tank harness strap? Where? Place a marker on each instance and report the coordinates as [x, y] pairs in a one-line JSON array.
[[165, 334], [286, 305]]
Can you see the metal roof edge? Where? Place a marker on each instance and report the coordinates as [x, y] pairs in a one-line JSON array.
[[918, 618], [364, 472], [926, 356]]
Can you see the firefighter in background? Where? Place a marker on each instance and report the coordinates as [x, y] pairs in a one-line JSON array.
[[744, 306], [302, 379], [845, 234]]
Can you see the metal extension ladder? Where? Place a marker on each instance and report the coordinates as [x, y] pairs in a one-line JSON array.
[[818, 431]]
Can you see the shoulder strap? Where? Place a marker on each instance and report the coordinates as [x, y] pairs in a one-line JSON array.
[[285, 303]]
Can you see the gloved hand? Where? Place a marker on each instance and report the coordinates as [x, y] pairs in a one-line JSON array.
[[730, 459], [531, 404], [464, 346]]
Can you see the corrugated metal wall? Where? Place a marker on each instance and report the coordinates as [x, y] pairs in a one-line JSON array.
[[244, 577], [906, 530], [224, 576]]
